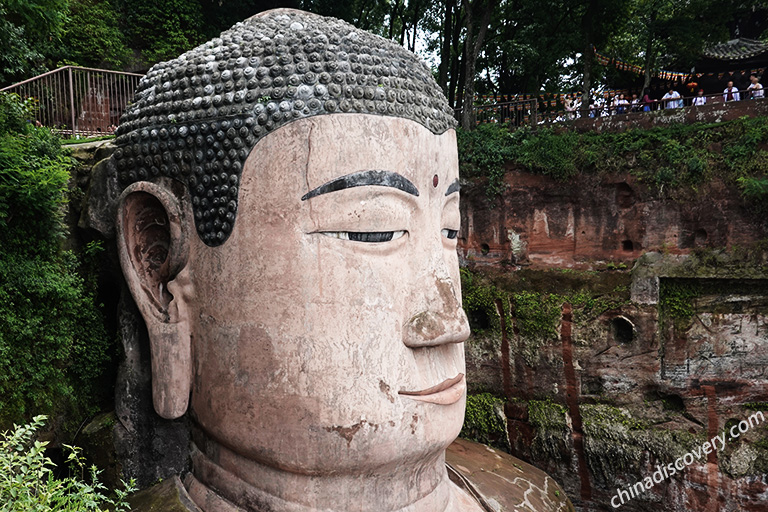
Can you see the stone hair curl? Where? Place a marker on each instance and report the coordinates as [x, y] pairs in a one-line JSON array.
[[196, 118]]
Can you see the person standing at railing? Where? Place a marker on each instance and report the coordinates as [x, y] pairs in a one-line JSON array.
[[621, 104], [755, 89], [568, 106], [700, 99], [672, 99], [731, 93], [647, 101], [576, 108], [635, 103]]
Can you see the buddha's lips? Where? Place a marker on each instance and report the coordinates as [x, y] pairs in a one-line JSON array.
[[447, 392]]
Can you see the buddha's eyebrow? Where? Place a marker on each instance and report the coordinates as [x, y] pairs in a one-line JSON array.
[[363, 179], [453, 187]]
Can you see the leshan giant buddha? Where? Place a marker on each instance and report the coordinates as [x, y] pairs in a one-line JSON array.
[[288, 230]]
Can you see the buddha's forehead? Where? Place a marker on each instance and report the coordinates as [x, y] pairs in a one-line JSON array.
[[198, 117], [315, 152]]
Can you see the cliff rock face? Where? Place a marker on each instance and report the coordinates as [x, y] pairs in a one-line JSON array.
[[577, 223], [623, 336]]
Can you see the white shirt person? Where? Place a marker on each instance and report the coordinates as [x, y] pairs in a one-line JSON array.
[[755, 89], [672, 99], [731, 93]]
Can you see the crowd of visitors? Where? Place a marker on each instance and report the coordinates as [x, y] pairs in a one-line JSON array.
[[622, 104]]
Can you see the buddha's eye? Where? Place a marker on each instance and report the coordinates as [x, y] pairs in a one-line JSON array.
[[450, 233], [366, 236]]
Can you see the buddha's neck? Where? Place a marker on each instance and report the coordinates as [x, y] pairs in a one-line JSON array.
[[224, 481]]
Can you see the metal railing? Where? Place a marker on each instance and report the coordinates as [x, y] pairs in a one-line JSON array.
[[532, 112], [607, 108], [513, 113], [79, 101]]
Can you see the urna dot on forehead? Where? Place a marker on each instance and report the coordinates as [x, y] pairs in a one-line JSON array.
[[196, 118]]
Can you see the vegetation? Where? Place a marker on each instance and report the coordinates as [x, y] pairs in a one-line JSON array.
[[53, 345], [27, 481], [676, 299], [552, 430], [674, 158], [480, 46], [484, 420], [532, 301], [479, 300]]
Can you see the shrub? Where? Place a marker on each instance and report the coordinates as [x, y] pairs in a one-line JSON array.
[[53, 344], [15, 113], [27, 481], [484, 421]]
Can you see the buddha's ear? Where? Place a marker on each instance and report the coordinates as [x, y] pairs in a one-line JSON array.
[[153, 231]]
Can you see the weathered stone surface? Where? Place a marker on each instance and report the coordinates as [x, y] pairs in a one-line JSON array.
[[96, 440], [167, 496], [149, 447], [504, 483], [690, 363], [146, 447], [101, 198], [319, 373], [543, 222], [197, 117]]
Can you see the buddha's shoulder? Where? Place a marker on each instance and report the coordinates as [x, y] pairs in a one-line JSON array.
[[501, 482]]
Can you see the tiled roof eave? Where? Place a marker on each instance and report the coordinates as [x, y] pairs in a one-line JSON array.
[[737, 49]]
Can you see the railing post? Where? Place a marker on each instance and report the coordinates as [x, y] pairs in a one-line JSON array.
[[72, 101]]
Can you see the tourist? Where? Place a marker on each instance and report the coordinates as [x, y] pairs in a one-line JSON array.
[[613, 105], [700, 99], [672, 99], [755, 89], [577, 106], [621, 104], [647, 101], [568, 105], [731, 93], [635, 103]]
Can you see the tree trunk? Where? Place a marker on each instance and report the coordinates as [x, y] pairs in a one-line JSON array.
[[589, 60], [649, 56], [414, 26], [445, 52], [479, 10], [457, 69], [587, 28]]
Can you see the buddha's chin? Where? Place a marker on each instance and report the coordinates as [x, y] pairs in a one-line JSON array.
[[418, 438]]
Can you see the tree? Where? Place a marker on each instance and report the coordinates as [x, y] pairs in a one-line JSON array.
[[92, 36], [27, 29], [600, 20], [162, 30], [477, 16]]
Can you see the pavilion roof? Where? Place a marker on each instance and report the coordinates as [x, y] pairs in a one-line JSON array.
[[736, 49]]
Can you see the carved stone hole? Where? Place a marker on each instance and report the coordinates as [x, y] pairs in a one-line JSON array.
[[622, 330]]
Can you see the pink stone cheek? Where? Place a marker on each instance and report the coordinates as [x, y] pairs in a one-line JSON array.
[[320, 376]]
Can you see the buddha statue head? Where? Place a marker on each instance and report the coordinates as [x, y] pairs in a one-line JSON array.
[[288, 231]]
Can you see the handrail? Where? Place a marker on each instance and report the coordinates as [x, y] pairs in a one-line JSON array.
[[77, 100], [606, 108], [62, 68]]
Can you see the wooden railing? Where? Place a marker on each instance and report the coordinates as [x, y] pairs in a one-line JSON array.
[[79, 101]]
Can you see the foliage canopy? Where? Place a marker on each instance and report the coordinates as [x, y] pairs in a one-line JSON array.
[[53, 344]]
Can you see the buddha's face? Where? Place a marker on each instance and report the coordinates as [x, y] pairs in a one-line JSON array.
[[327, 331]]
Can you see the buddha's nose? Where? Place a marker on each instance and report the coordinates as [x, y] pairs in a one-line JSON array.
[[442, 320]]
